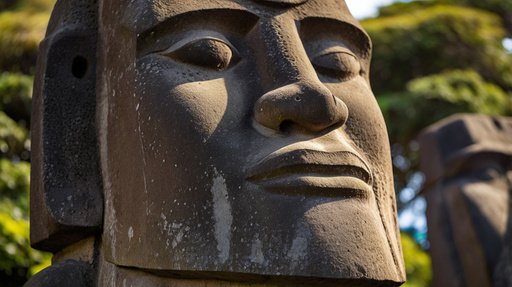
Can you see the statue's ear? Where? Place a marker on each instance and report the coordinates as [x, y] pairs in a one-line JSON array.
[[66, 188]]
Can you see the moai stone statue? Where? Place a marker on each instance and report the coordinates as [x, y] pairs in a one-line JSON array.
[[467, 160], [211, 143]]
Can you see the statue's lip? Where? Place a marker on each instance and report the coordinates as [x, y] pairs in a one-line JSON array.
[[308, 171]]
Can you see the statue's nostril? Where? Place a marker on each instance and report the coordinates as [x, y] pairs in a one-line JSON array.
[[286, 127]]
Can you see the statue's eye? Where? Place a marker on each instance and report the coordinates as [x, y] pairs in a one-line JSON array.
[[211, 53], [337, 63]]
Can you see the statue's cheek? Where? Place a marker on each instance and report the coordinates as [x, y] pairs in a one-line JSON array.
[[204, 104], [365, 124]]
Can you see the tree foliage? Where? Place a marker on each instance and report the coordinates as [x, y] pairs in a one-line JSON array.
[[434, 39], [22, 26], [417, 263], [502, 8], [16, 95], [20, 33], [432, 59], [426, 100], [16, 254]]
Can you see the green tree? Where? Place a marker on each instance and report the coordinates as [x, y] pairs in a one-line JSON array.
[[503, 8], [417, 263], [431, 40], [434, 58], [22, 26]]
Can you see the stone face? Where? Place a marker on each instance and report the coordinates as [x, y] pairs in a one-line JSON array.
[[240, 141], [468, 161]]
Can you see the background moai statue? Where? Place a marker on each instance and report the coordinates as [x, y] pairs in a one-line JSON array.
[[211, 143], [467, 160]]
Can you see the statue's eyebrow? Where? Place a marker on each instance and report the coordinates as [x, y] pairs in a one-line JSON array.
[[239, 21], [355, 35], [236, 23]]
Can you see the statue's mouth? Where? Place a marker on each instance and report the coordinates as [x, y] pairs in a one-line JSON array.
[[312, 172]]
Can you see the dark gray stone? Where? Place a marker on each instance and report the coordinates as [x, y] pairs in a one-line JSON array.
[[66, 192], [239, 144], [467, 160], [64, 274]]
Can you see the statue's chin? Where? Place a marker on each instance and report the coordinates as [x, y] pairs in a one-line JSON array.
[[331, 240]]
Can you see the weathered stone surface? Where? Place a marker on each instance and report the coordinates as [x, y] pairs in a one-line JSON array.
[[66, 193], [64, 274], [240, 145], [468, 161]]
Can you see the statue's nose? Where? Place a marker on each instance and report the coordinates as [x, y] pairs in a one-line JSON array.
[[295, 97], [308, 106]]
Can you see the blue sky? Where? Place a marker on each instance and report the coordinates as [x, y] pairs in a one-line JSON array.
[[365, 8]]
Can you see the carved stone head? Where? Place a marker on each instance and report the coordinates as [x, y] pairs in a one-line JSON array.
[[242, 137], [467, 160]]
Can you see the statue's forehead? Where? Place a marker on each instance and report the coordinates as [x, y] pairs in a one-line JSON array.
[[140, 15], [283, 1]]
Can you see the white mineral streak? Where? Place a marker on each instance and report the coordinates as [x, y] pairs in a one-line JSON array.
[[298, 250], [222, 216], [111, 220], [130, 233], [177, 239], [257, 251], [110, 212], [143, 155]]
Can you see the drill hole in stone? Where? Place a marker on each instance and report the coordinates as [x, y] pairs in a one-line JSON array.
[[79, 67]]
